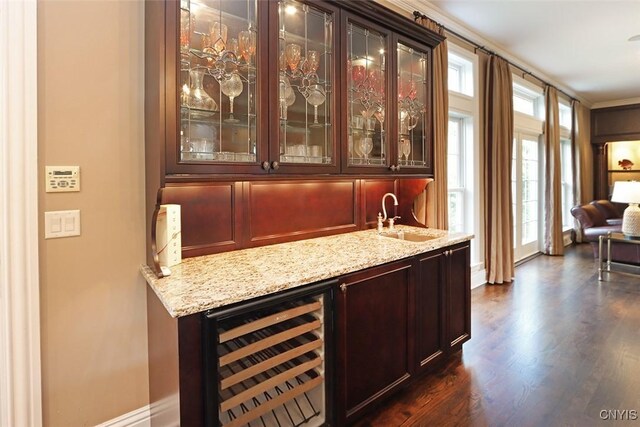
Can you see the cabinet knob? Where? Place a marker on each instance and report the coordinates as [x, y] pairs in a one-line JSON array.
[[266, 166], [393, 168], [343, 288], [275, 165]]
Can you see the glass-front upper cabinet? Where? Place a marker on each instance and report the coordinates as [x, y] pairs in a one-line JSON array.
[[367, 89], [218, 82], [304, 109], [413, 136]]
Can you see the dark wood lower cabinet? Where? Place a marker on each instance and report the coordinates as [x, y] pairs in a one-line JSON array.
[[431, 344], [375, 329], [458, 296], [392, 323], [397, 321]]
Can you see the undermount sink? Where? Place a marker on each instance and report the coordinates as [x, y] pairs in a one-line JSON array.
[[408, 236]]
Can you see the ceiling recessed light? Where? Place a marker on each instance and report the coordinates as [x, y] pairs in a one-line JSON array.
[[634, 38]]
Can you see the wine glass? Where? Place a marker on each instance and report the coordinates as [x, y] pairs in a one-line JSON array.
[[286, 95], [358, 74], [406, 149], [232, 46], [247, 44], [218, 34], [376, 83], [316, 97], [366, 146], [312, 62], [187, 22], [232, 87], [292, 54]]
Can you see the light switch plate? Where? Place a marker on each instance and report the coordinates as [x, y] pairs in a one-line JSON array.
[[61, 224], [60, 179]]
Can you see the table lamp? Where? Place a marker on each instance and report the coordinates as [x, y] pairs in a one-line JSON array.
[[628, 192]]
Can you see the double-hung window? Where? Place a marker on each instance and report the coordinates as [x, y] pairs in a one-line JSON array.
[[566, 164], [526, 173], [462, 150]]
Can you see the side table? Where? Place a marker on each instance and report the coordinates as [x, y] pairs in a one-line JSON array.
[[609, 238]]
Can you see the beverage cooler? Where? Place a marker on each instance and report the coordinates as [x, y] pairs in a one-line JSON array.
[[268, 362]]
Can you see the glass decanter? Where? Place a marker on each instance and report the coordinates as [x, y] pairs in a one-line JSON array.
[[198, 97]]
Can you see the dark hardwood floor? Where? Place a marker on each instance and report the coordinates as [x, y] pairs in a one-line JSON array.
[[555, 348]]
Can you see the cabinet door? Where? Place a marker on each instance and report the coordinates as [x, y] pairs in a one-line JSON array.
[[375, 329], [459, 296], [366, 88], [303, 82], [431, 343], [215, 56], [412, 141]]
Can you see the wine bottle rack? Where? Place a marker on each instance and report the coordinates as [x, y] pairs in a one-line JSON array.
[[271, 366]]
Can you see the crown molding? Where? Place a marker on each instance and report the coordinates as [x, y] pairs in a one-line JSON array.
[[616, 103]]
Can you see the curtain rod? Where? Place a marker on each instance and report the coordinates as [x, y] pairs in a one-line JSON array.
[[418, 15]]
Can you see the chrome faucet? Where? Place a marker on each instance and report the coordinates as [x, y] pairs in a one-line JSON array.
[[382, 219]]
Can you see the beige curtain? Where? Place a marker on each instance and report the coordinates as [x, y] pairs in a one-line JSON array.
[[436, 196], [498, 118], [582, 159], [553, 243]]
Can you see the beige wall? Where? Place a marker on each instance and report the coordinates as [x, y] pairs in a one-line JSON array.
[[93, 306]]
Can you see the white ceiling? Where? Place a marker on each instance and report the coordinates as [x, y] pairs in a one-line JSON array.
[[580, 45]]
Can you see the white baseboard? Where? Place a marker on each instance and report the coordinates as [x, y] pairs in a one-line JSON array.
[[478, 278], [140, 417]]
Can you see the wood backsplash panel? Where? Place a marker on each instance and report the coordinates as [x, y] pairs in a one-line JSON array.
[[279, 211], [210, 216]]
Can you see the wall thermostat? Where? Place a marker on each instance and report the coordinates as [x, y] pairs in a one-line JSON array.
[[62, 178]]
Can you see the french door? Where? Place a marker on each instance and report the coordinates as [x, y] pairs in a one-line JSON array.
[[526, 188]]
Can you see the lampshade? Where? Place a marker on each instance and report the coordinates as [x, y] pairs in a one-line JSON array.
[[629, 192], [626, 192]]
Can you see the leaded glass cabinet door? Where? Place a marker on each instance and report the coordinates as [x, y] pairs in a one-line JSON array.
[[413, 138], [367, 78], [303, 100], [219, 50]]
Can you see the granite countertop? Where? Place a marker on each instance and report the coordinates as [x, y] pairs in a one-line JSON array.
[[212, 281]]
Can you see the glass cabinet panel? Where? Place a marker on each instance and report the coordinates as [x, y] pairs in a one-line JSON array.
[[412, 103], [305, 84], [366, 104], [217, 86]]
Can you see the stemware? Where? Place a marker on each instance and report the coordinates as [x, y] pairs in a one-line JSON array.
[[187, 21], [283, 62], [312, 61], [405, 146], [316, 97], [218, 36], [247, 44], [357, 74], [232, 46], [232, 87], [366, 147], [292, 54], [375, 82], [286, 95]]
